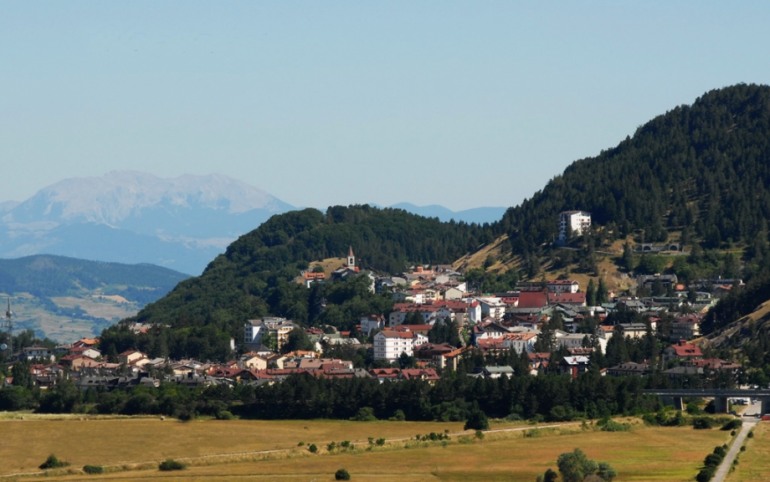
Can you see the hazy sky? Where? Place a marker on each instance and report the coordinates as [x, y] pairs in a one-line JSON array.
[[463, 104]]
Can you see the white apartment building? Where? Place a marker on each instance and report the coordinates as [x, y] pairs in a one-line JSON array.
[[390, 344], [573, 223]]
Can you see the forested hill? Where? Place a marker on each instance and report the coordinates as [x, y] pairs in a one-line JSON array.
[[255, 276], [48, 276], [705, 167]]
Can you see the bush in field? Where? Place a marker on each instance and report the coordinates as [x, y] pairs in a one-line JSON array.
[[702, 423], [93, 469], [171, 464], [52, 462], [341, 474]]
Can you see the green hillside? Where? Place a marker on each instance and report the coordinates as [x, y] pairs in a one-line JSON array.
[[256, 275], [702, 169], [65, 298]]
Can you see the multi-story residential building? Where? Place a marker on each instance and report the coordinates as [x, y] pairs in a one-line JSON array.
[[254, 331], [573, 223], [391, 344]]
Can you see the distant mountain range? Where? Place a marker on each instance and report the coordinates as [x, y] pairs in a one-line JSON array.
[[131, 217], [479, 215]]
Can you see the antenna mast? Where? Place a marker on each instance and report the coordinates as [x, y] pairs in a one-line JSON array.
[[9, 326]]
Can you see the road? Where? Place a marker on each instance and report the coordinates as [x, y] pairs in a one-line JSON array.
[[749, 419]]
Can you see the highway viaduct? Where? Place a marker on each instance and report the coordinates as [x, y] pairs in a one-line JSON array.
[[720, 395]]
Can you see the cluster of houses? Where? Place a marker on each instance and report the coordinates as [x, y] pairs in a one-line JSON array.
[[424, 296]]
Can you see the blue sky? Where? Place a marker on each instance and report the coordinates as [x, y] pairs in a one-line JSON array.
[[463, 104]]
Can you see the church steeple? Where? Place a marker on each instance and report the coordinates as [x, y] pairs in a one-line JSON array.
[[351, 259]]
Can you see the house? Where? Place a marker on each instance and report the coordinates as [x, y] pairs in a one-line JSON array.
[[665, 281], [682, 350], [489, 329], [629, 369], [254, 361], [574, 365], [88, 351], [425, 374], [390, 344], [452, 359], [563, 286], [538, 361], [495, 372], [529, 302], [385, 374], [522, 342], [368, 324], [131, 357], [400, 312], [453, 293], [78, 362], [310, 277], [492, 307], [38, 353], [567, 299], [572, 340], [713, 367], [686, 327], [633, 330]]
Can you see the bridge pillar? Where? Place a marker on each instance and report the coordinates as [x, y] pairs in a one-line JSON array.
[[679, 403], [720, 405], [765, 402]]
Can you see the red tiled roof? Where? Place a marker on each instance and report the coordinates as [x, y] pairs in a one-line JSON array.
[[533, 299]]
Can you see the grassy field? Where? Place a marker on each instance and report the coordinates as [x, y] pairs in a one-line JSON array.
[[754, 463], [230, 450]]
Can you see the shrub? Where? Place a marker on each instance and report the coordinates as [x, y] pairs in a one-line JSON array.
[[312, 448], [93, 469], [702, 423], [712, 460], [52, 462], [380, 441], [398, 416], [341, 474], [477, 420], [479, 435], [705, 474], [224, 415], [732, 424], [609, 425], [364, 414], [751, 434], [171, 464]]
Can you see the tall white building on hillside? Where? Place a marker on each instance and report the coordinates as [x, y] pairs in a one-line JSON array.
[[573, 223]]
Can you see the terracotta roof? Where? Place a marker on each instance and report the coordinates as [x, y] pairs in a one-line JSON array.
[[532, 299]]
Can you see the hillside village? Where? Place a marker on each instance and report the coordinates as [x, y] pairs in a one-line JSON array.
[[439, 324]]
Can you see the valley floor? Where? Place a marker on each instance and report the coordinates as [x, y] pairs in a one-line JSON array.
[[131, 448]]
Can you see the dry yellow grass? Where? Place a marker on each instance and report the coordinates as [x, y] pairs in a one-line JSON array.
[[754, 463], [225, 450]]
